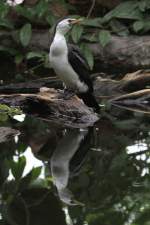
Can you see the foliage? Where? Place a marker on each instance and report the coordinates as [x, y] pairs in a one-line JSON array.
[[129, 17], [6, 111], [15, 205]]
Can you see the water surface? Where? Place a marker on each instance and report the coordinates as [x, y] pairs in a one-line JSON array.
[[93, 176]]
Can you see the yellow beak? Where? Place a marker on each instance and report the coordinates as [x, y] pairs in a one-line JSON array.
[[76, 21]]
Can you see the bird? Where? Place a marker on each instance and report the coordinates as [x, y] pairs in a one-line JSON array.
[[70, 65]]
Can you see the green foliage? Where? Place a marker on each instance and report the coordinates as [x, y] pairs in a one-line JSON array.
[[17, 168], [88, 55], [25, 34], [129, 17], [104, 37], [76, 33], [6, 111]]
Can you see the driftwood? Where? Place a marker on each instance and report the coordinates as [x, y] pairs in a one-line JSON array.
[[50, 105], [122, 53], [131, 82]]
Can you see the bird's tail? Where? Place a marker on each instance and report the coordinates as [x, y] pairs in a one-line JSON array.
[[89, 99]]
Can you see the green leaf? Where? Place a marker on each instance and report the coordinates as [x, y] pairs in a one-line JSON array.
[[3, 117], [36, 172], [25, 34], [138, 25], [31, 55], [30, 178], [142, 5], [11, 51], [6, 23], [76, 33], [104, 37], [125, 10], [88, 55], [96, 22], [17, 168], [119, 28], [18, 59]]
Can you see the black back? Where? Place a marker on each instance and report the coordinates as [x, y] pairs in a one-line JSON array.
[[79, 64]]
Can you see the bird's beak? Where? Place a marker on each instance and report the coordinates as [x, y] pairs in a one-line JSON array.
[[76, 21]]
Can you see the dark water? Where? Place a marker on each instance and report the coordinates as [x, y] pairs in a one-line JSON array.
[[94, 176]]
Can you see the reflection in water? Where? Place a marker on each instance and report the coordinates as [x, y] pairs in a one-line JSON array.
[[108, 186], [60, 162]]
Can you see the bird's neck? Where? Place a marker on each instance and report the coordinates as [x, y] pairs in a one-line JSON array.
[[59, 44], [59, 37]]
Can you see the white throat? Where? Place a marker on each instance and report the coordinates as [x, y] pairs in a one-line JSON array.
[[59, 45]]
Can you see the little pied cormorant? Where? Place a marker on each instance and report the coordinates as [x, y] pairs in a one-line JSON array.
[[70, 65]]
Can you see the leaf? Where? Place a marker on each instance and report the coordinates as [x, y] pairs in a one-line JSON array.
[[6, 23], [96, 22], [119, 28], [31, 55], [138, 25], [30, 178], [3, 117], [18, 59], [11, 51], [104, 37], [125, 10], [88, 55], [25, 34], [76, 33], [142, 5], [17, 168], [36, 172]]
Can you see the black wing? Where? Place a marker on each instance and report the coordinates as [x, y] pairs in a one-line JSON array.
[[79, 64]]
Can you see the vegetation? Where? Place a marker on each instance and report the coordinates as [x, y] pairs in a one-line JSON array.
[[128, 17], [112, 185]]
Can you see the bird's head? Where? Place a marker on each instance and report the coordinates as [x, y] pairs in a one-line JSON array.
[[66, 24]]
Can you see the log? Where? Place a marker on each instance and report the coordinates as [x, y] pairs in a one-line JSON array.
[[130, 83], [51, 105], [121, 54]]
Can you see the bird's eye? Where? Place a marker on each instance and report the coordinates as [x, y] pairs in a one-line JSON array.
[[69, 21]]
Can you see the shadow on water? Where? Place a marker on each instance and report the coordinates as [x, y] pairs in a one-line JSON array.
[[53, 175]]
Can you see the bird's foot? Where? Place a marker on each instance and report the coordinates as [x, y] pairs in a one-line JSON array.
[[68, 93]]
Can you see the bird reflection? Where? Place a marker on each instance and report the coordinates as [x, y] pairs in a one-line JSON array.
[[67, 160]]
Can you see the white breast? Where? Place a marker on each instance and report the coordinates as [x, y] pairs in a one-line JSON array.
[[58, 57]]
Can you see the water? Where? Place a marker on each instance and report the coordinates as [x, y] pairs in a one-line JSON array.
[[94, 176]]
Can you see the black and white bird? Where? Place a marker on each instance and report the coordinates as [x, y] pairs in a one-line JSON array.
[[70, 65]]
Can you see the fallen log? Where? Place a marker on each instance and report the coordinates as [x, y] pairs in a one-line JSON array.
[[121, 54], [50, 105]]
